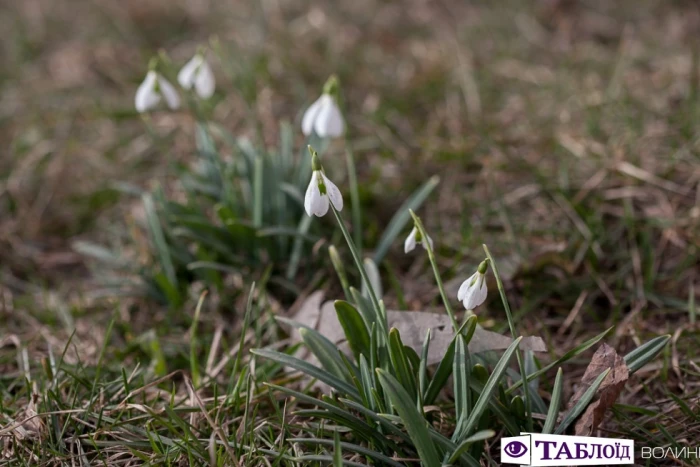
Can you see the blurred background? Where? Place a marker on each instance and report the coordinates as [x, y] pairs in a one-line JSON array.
[[564, 134]]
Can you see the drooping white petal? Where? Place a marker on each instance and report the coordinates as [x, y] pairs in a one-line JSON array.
[[475, 292], [186, 76], [315, 203], [333, 193], [146, 96], [321, 206], [204, 81], [463, 289], [172, 98], [329, 121], [476, 298], [410, 243], [430, 240], [465, 286], [307, 123], [312, 192]]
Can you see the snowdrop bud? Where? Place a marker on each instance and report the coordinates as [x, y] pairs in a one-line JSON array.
[[472, 292], [332, 86], [336, 260], [321, 191], [153, 89], [315, 161], [415, 237], [323, 117], [198, 74]]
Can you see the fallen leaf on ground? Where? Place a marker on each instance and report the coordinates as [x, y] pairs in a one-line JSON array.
[[306, 310], [608, 392], [412, 326]]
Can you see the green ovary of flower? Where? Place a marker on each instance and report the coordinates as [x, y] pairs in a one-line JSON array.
[[321, 185]]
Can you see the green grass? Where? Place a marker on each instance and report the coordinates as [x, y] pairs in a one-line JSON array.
[[564, 135]]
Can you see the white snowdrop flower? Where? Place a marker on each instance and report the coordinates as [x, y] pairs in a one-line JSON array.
[[413, 238], [472, 292], [321, 191], [152, 90], [323, 117], [197, 73]]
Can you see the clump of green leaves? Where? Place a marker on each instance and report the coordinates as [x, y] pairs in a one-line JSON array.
[[238, 209], [381, 388], [241, 214]]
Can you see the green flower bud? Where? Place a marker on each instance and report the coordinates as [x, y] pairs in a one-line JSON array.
[[419, 236], [517, 407], [332, 86], [480, 373], [315, 160]]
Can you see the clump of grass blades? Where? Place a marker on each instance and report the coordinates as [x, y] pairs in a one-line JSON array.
[[63, 411]]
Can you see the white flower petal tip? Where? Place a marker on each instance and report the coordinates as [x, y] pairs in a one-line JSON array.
[[472, 292], [153, 89], [167, 90], [197, 74], [147, 96], [333, 193], [412, 240], [307, 123], [186, 75], [317, 203], [324, 118], [410, 243]]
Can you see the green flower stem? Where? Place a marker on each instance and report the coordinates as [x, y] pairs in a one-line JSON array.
[[363, 273], [511, 325], [433, 263], [258, 191], [354, 196]]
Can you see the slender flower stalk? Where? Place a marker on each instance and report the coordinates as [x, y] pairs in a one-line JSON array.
[[431, 255], [322, 194], [354, 193], [358, 262], [513, 332]]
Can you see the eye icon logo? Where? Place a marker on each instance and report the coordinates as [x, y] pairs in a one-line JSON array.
[[515, 449], [545, 449]]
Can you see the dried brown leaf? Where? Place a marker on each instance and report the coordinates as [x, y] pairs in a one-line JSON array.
[[608, 392], [412, 325]]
